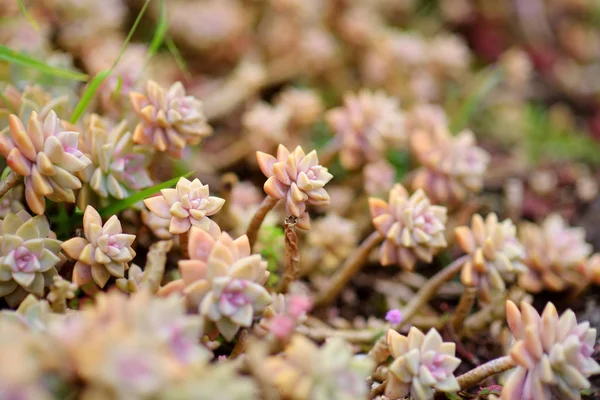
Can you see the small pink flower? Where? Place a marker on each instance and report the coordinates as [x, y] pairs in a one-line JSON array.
[[393, 316]]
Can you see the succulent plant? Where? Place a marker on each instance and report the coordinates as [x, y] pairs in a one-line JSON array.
[[131, 347], [591, 269], [422, 363], [304, 105], [296, 177], [365, 126], [170, 120], [452, 166], [495, 254], [553, 354], [189, 204], [379, 178], [220, 381], [29, 354], [331, 240], [31, 98], [47, 156], [104, 251], [305, 371], [29, 256], [554, 255], [11, 202], [266, 125], [412, 227], [223, 281], [131, 284], [118, 168], [284, 314]]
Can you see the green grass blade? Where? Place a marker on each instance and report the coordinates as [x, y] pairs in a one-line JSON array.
[[88, 95], [121, 205], [92, 88], [160, 31], [15, 57], [28, 16], [178, 57], [131, 32], [489, 81]]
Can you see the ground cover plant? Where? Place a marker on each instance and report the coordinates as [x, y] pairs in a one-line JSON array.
[[299, 199]]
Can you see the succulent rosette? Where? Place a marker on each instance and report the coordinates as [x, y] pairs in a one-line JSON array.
[[47, 156], [104, 251], [189, 204], [413, 228], [366, 124], [421, 364], [305, 371], [452, 166], [223, 281], [118, 168], [553, 354], [30, 253], [296, 177], [554, 254], [170, 120], [495, 255]]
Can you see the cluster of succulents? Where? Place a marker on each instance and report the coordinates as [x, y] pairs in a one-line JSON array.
[[122, 278]]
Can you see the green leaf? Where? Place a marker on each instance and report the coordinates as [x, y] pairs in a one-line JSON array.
[[546, 141], [488, 80], [178, 57], [92, 88], [160, 31], [15, 57], [121, 205], [88, 95], [28, 16], [5, 173], [400, 159], [131, 32]]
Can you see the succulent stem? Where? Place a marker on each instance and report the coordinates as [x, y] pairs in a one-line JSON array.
[[155, 265], [292, 254], [351, 266], [429, 290], [267, 205], [240, 345], [484, 371], [9, 182], [463, 309]]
